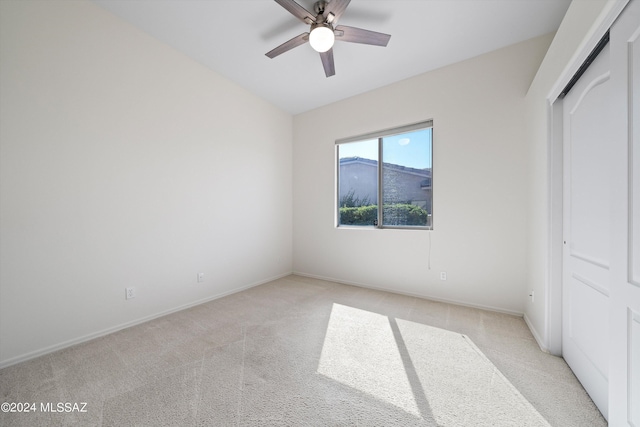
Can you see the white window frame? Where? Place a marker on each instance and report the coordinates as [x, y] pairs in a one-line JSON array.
[[379, 135]]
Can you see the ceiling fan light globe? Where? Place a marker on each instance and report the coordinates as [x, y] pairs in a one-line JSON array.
[[321, 39]]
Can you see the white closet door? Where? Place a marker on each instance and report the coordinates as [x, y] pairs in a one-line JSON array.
[[624, 367], [587, 228]]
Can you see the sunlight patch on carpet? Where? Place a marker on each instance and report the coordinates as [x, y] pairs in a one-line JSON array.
[[360, 351], [427, 372]]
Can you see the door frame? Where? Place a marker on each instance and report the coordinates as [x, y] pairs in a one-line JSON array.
[[553, 283]]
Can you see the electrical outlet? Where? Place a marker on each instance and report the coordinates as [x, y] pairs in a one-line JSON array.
[[200, 277], [531, 296], [130, 293], [443, 275]]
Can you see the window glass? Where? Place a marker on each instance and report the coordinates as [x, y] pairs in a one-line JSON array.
[[406, 179], [396, 167], [358, 184]]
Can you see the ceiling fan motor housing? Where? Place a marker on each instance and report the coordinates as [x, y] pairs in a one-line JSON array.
[[319, 7], [321, 24]]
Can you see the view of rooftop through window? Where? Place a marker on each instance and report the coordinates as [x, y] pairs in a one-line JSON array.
[[404, 177], [411, 149]]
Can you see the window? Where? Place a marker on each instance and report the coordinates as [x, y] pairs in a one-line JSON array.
[[394, 166]]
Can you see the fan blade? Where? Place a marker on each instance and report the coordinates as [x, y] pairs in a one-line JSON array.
[[358, 35], [287, 46], [336, 8], [298, 11], [327, 63]]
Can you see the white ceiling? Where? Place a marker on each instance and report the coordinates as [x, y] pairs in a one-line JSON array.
[[232, 37]]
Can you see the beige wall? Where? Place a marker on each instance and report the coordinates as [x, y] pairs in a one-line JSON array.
[[480, 184], [121, 161]]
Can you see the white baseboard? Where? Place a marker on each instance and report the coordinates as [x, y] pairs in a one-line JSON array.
[[89, 337], [424, 296], [107, 331], [536, 335]]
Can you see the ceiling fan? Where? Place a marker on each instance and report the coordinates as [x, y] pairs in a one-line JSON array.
[[324, 31]]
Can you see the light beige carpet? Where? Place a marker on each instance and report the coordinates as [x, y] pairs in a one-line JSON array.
[[431, 373], [300, 351]]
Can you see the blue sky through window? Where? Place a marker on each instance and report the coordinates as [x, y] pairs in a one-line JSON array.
[[412, 149]]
